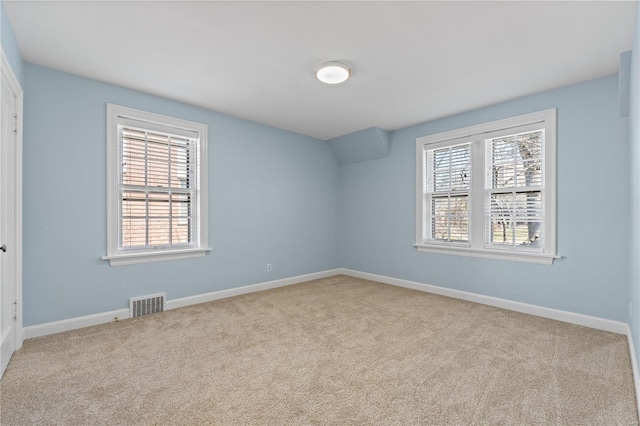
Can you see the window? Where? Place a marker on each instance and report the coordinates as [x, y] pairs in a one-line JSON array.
[[448, 186], [489, 190], [156, 178]]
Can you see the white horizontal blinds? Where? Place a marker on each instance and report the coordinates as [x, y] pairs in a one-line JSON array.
[[157, 188], [515, 185], [447, 182]]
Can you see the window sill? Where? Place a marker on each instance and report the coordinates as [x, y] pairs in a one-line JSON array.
[[161, 256], [540, 258]]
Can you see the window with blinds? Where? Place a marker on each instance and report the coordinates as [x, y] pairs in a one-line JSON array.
[[157, 189], [514, 201], [489, 190], [448, 182], [156, 186]]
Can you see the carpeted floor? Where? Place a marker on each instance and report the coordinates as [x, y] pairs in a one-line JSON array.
[[334, 351]]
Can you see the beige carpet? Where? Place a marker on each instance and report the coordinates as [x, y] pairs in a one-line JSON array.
[[333, 351]]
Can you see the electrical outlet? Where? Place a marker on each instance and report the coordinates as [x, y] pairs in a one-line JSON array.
[[268, 267]]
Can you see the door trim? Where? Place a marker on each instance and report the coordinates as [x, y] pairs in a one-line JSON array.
[[7, 71]]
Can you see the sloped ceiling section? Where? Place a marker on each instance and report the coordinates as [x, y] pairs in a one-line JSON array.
[[364, 145]]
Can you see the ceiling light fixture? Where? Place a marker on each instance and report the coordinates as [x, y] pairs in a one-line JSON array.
[[333, 72]]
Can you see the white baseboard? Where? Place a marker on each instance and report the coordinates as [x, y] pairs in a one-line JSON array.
[[634, 367], [556, 314], [223, 294], [73, 323], [105, 317]]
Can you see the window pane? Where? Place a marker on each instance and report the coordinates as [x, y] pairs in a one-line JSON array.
[[180, 205], [440, 206], [440, 228], [134, 232], [180, 231], [180, 158], [450, 218], [516, 161], [503, 175], [450, 168], [460, 167], [159, 205], [459, 218], [441, 181], [501, 231], [182, 220], [459, 230], [161, 213], [158, 232], [134, 203], [133, 158], [515, 219], [529, 161], [158, 161]]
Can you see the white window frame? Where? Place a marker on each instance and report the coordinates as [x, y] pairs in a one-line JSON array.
[[477, 135], [119, 115]]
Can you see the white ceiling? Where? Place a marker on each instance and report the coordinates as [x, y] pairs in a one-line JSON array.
[[411, 61]]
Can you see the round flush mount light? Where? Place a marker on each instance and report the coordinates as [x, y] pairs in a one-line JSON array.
[[333, 72]]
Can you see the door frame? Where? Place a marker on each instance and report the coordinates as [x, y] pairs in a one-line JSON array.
[[7, 72]]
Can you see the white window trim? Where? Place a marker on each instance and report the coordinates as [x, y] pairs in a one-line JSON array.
[[483, 131], [114, 114]]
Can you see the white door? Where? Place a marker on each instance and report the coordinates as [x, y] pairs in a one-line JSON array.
[[10, 222]]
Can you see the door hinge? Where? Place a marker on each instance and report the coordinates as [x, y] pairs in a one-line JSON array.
[[15, 309], [15, 123]]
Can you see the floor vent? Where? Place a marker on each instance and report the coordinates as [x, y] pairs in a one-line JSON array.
[[145, 305]]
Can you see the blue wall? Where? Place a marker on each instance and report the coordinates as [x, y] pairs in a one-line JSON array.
[[10, 45], [377, 210], [272, 199], [281, 198], [634, 139]]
